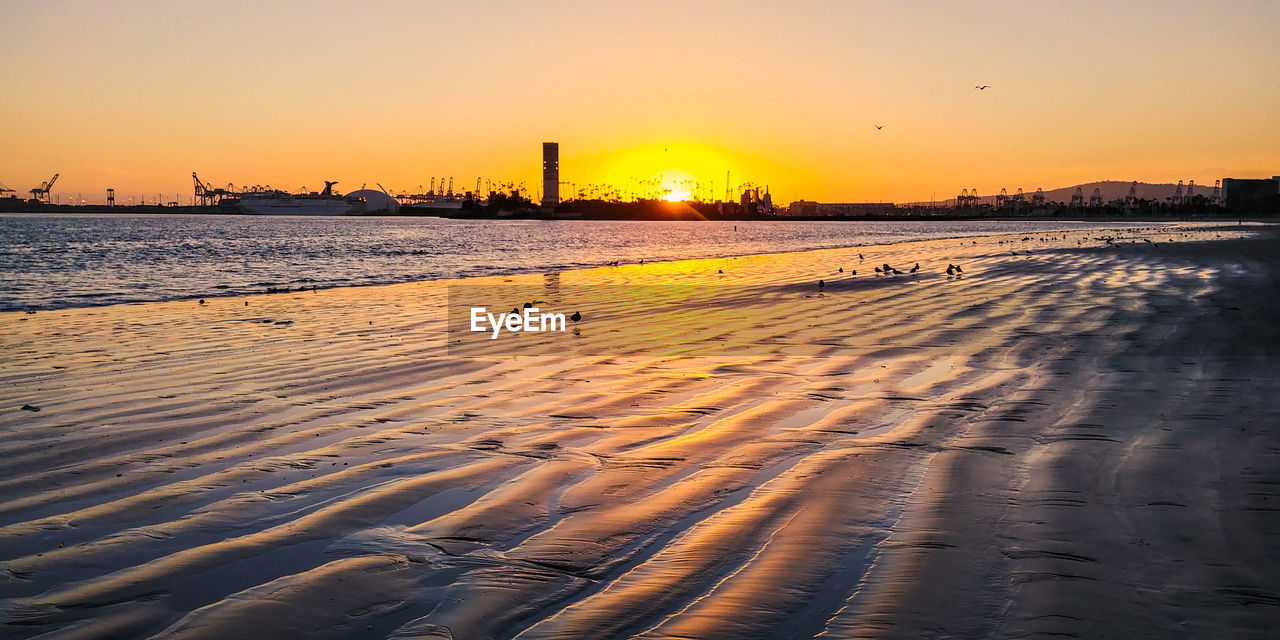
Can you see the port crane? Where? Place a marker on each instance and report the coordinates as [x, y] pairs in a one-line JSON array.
[[41, 193], [4, 190], [208, 196]]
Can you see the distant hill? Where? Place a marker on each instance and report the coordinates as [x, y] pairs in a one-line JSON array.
[[1116, 190], [1110, 189]]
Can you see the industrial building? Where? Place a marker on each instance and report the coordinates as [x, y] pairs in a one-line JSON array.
[[550, 174], [1247, 194], [807, 208]]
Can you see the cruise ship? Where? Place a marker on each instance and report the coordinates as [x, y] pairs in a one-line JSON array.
[[324, 203]]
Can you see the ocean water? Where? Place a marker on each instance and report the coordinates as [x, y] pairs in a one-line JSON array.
[[57, 261]]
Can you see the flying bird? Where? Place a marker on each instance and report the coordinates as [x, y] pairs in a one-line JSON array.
[[879, 127], [981, 87]]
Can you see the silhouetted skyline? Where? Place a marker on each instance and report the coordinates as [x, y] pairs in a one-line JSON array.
[[136, 95]]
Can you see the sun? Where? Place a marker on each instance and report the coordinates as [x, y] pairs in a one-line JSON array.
[[677, 195]]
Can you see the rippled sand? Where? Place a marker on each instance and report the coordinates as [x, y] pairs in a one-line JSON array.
[[1081, 441]]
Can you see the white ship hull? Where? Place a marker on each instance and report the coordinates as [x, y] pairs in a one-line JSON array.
[[289, 206]]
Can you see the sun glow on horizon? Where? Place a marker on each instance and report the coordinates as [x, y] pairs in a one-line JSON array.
[[678, 195], [850, 102]]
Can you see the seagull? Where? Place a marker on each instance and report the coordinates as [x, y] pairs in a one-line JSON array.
[[981, 87], [879, 127]]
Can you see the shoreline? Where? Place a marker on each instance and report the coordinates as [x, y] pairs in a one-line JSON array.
[[1072, 440], [216, 295]]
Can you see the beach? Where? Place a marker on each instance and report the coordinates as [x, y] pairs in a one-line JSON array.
[[1077, 436]]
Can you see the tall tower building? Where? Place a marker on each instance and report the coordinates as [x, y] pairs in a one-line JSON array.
[[550, 174]]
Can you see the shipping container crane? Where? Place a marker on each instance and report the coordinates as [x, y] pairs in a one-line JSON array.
[[41, 193]]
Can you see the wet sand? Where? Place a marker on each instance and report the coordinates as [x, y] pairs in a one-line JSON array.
[[1083, 441]]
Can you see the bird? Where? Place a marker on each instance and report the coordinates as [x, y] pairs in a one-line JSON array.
[[576, 316], [201, 300], [821, 284], [959, 270], [879, 127], [896, 272], [514, 312], [859, 256], [878, 270], [915, 268], [886, 267], [720, 271], [981, 87], [528, 305], [841, 269], [951, 269]]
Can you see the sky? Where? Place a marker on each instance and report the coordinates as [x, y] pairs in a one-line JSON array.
[[135, 95]]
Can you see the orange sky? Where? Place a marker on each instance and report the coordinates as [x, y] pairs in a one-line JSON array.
[[135, 95]]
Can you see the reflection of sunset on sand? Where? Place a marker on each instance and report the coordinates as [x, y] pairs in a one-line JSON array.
[[1077, 439]]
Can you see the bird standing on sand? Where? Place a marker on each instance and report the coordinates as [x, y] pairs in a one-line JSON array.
[[841, 269], [959, 270], [886, 267], [915, 268], [821, 284], [201, 300], [576, 316], [896, 272], [951, 269], [878, 270], [859, 256]]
